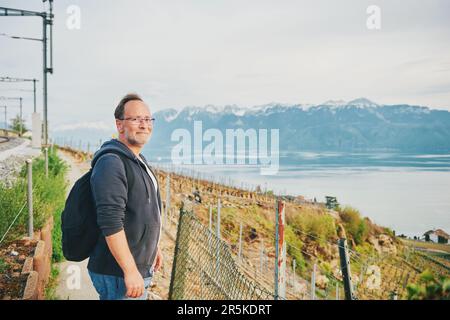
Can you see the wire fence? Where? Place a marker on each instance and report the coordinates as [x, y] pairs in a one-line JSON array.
[[12, 223], [205, 269], [375, 277]]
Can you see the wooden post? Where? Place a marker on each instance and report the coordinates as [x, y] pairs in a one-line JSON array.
[[280, 252]]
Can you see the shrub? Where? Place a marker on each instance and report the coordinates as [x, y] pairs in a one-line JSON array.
[[354, 224], [294, 248], [48, 197], [12, 201], [428, 288], [318, 226]]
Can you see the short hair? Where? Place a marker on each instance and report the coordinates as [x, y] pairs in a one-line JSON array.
[[120, 109]]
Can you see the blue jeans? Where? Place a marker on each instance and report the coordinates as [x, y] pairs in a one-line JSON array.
[[113, 288]]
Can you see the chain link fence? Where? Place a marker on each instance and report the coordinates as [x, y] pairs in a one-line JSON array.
[[204, 267]]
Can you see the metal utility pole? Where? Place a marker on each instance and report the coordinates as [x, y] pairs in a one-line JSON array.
[[20, 106], [21, 121], [47, 21], [9, 79]]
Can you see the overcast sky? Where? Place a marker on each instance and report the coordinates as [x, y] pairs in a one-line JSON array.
[[180, 53]]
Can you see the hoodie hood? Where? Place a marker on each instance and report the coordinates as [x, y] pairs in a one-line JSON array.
[[114, 146]]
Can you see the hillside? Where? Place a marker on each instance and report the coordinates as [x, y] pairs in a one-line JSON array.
[[311, 236]]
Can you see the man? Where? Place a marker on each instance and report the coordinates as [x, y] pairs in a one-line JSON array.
[[128, 204]]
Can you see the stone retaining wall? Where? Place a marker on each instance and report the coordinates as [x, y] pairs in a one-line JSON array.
[[38, 267]]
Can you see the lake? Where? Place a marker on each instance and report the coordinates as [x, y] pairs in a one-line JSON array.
[[409, 193]]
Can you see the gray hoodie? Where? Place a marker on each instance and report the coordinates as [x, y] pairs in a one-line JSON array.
[[131, 205]]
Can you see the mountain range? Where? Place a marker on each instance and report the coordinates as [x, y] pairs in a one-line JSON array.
[[357, 125]]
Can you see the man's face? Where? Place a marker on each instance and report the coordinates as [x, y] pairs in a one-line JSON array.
[[135, 132]]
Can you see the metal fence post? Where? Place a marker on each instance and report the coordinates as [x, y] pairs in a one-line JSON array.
[[46, 161], [30, 198], [294, 265], [345, 268], [210, 218], [280, 252], [218, 236], [218, 219], [261, 256], [210, 231], [337, 291], [172, 294], [167, 199], [240, 243], [276, 252]]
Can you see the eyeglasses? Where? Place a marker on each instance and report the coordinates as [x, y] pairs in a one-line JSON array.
[[137, 120]]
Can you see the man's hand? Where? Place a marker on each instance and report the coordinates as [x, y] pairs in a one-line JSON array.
[[159, 261], [134, 284], [118, 246]]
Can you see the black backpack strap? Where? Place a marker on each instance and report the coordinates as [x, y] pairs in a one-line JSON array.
[[128, 170]]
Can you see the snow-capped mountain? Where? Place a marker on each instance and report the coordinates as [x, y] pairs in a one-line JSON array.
[[334, 103], [359, 124], [362, 103], [265, 109]]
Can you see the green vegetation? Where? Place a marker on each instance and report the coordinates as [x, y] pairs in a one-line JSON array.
[[12, 200], [18, 123], [49, 196], [354, 224], [294, 247], [389, 232], [50, 289], [3, 266], [366, 249], [57, 235], [429, 288], [229, 222], [320, 227]]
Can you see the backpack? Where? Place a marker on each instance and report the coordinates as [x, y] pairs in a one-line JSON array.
[[80, 231]]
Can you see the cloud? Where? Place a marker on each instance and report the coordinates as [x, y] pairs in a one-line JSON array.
[[98, 125], [181, 53]]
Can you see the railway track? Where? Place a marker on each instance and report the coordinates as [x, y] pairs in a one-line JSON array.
[[4, 139]]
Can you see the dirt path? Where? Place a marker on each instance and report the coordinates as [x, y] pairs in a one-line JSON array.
[[74, 282]]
